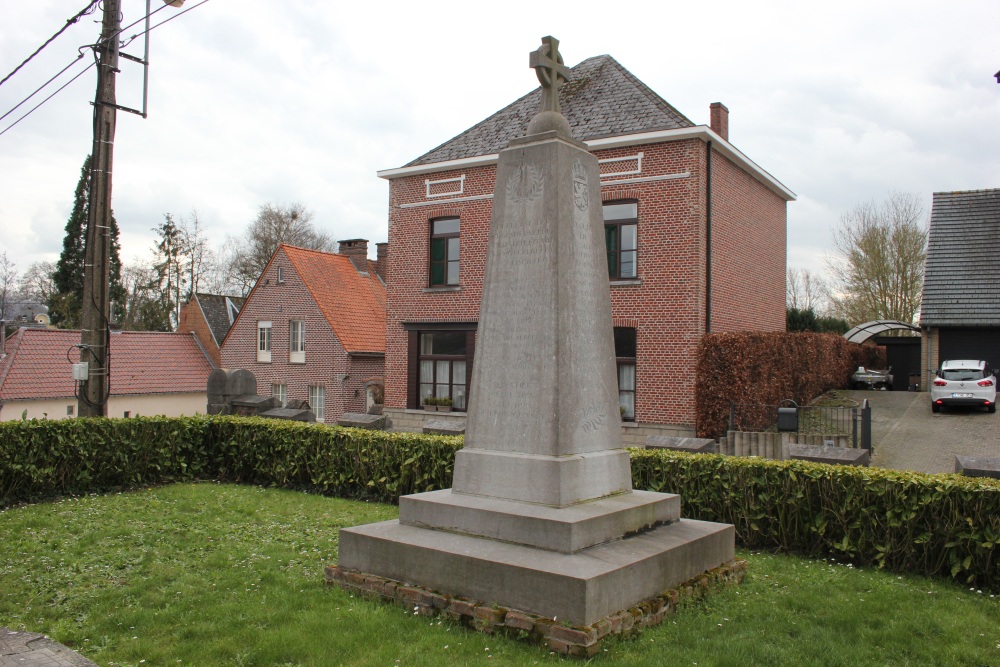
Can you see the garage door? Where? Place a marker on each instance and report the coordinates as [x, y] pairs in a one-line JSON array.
[[979, 343]]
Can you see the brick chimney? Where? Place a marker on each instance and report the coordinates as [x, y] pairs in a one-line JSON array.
[[719, 119], [357, 250], [382, 260]]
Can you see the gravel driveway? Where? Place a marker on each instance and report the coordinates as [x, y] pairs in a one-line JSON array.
[[906, 435]]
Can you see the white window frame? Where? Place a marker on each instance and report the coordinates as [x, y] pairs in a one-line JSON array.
[[281, 275], [317, 401], [263, 342], [296, 341], [280, 392]]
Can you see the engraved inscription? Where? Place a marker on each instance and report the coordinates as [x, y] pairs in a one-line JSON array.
[[581, 191]]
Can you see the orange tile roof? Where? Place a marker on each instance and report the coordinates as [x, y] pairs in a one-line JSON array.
[[38, 364], [352, 303]]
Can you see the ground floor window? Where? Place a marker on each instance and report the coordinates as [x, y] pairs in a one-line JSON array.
[[440, 363], [280, 392], [625, 345], [317, 401], [442, 366]]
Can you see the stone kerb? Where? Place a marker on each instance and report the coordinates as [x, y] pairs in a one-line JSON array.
[[978, 466]]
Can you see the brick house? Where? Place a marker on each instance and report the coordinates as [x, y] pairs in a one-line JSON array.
[[960, 304], [209, 317], [152, 373], [695, 232], [313, 329]]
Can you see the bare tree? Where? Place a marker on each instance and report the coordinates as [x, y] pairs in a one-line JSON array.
[[144, 307], [879, 267], [805, 290], [200, 259], [248, 254], [8, 284], [37, 283]]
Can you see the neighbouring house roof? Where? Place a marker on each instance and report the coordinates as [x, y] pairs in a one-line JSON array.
[[220, 312], [38, 364], [352, 302], [602, 99], [962, 271]]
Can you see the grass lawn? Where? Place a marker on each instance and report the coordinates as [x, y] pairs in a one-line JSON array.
[[209, 574]]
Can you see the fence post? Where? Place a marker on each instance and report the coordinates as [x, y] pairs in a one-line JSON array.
[[854, 427], [732, 415], [866, 425]]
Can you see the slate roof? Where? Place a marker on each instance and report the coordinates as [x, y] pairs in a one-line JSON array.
[[38, 364], [219, 312], [962, 271], [602, 99], [352, 303]]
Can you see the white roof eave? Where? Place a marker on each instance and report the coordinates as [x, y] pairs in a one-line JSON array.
[[702, 132]]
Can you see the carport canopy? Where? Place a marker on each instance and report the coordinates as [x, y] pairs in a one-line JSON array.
[[863, 332]]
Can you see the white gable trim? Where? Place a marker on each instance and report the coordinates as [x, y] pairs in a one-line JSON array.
[[702, 132]]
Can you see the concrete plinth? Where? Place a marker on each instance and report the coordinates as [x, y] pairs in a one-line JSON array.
[[567, 529], [576, 588]]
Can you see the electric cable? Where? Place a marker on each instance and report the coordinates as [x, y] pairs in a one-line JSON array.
[[39, 89], [89, 9], [35, 108]]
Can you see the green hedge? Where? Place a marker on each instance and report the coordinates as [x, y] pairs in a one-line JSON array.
[[941, 525], [43, 459]]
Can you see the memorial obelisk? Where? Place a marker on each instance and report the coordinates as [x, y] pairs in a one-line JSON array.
[[542, 516]]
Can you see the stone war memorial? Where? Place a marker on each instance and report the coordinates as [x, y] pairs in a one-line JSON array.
[[541, 531]]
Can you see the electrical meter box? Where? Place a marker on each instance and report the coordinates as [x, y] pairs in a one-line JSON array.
[[81, 371]]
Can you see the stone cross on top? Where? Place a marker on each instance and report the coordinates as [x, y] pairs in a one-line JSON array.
[[549, 67]]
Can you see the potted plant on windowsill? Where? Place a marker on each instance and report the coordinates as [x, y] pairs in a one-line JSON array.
[[444, 404], [430, 403]]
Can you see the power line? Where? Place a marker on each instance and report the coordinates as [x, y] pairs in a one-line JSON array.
[[89, 9], [35, 108], [39, 89]]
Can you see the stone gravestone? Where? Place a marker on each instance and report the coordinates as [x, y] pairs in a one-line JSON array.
[[542, 517]]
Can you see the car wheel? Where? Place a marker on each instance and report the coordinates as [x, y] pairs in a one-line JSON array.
[[992, 408], [935, 407]]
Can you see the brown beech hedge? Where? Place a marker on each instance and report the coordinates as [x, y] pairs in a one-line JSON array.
[[766, 368]]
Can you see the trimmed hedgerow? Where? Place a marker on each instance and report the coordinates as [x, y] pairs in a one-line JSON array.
[[44, 459], [766, 368], [939, 525]]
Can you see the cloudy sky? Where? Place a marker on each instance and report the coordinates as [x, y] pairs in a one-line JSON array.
[[281, 101]]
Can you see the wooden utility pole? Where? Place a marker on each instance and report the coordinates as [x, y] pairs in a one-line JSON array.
[[95, 309]]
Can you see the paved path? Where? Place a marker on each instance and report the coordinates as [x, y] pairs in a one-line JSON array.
[[28, 649], [906, 435]]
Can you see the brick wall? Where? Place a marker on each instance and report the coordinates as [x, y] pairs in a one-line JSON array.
[[326, 358], [666, 304], [193, 320]]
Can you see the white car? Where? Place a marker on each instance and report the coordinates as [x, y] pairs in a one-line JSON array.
[[964, 382]]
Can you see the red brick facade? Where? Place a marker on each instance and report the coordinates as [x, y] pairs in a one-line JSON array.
[[666, 303], [192, 320], [342, 375]]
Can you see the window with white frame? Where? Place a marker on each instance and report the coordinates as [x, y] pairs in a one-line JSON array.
[[625, 347], [280, 392], [264, 342], [317, 401], [621, 222], [445, 233], [297, 342]]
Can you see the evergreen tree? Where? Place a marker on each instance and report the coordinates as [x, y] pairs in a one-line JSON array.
[[170, 274], [65, 303]]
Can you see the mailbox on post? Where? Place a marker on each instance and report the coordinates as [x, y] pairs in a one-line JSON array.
[[788, 417]]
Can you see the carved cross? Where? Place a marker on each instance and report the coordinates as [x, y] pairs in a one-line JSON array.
[[549, 67]]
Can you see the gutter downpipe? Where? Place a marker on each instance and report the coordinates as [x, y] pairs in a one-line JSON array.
[[708, 239]]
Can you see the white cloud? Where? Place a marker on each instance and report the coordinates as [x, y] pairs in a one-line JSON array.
[[298, 100]]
